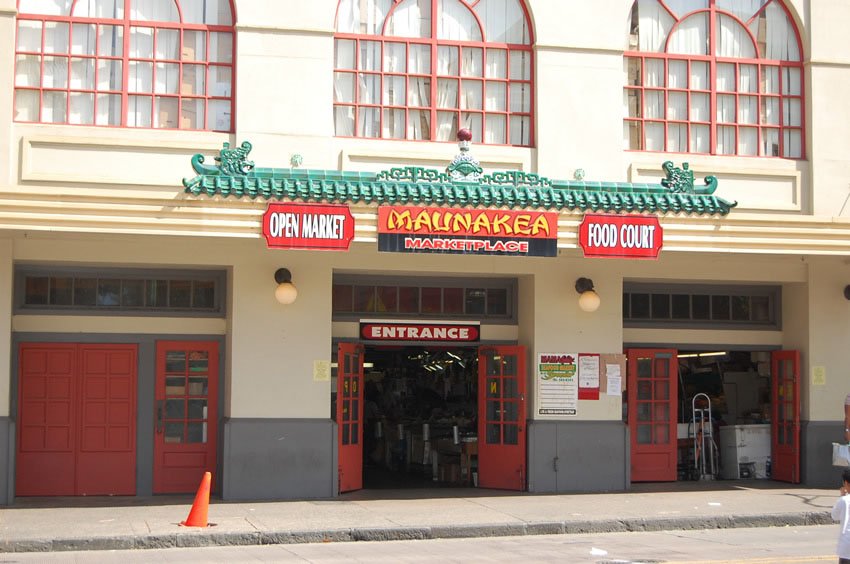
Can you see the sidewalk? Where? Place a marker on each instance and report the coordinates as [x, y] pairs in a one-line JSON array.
[[35, 524]]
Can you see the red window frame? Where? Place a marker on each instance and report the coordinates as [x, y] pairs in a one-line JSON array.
[[434, 44], [713, 123], [126, 24]]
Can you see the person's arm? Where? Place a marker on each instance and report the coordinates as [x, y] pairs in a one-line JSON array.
[[847, 420], [838, 508]]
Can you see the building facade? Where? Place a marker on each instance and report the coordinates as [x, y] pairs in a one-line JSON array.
[[642, 239]]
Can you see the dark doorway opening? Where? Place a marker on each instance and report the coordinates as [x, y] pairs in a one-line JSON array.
[[420, 409]]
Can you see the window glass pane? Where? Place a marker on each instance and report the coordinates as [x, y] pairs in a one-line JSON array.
[[133, 293], [364, 298], [475, 301], [701, 306], [408, 301], [154, 10], [109, 292], [740, 308], [640, 306], [456, 22], [210, 12], [36, 290], [61, 290], [179, 293], [56, 37], [720, 308], [453, 300], [110, 41], [29, 36], [45, 7], [520, 65], [203, 294], [497, 301], [191, 114], [660, 306], [432, 300], [681, 306], [157, 293], [28, 71], [387, 299], [760, 308], [55, 72], [85, 291], [219, 115], [342, 299]]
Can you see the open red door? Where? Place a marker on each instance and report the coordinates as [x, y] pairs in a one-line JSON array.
[[652, 392], [186, 415], [785, 422], [501, 417], [349, 415]]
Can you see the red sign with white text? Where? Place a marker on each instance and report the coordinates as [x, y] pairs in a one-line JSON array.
[[308, 226], [422, 331], [620, 236]]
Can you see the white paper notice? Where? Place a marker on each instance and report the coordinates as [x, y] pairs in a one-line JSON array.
[[588, 371], [615, 383]]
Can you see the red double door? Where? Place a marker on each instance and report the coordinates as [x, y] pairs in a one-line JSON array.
[[77, 418], [501, 417], [652, 392], [76, 424]]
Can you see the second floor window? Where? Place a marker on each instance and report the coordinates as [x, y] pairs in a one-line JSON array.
[[125, 63], [720, 77], [422, 69]]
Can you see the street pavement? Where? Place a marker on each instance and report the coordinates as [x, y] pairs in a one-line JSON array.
[[115, 523]]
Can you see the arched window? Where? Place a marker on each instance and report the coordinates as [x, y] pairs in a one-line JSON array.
[[421, 69], [131, 63], [722, 77]]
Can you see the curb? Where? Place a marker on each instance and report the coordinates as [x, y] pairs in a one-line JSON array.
[[206, 538]]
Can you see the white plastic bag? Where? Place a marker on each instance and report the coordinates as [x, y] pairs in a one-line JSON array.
[[840, 454]]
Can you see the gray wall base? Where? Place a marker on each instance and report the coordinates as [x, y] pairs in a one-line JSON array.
[[577, 456], [816, 438], [7, 461], [279, 459]]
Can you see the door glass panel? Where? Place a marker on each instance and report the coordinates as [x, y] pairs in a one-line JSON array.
[[345, 411], [511, 434], [345, 430], [644, 390], [644, 368], [355, 409], [175, 361], [493, 411], [494, 365], [789, 434], [199, 361], [355, 435], [175, 386], [511, 411], [510, 387], [196, 432], [662, 434], [644, 434], [662, 412], [644, 412], [494, 433], [175, 409], [174, 432], [198, 386], [662, 367], [347, 364], [509, 362], [662, 390], [197, 409], [493, 388]]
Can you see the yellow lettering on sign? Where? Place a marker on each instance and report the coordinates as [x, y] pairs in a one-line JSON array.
[[494, 387], [354, 386]]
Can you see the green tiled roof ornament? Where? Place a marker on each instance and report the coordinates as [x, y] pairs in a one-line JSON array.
[[682, 180], [464, 167], [230, 162]]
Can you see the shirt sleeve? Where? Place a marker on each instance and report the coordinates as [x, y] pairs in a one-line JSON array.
[[847, 400], [838, 509]]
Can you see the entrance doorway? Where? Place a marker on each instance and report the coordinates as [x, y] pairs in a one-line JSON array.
[[431, 416], [713, 414]]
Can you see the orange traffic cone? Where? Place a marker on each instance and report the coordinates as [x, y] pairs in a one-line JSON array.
[[200, 508]]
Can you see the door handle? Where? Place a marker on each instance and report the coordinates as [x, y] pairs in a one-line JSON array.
[[159, 425]]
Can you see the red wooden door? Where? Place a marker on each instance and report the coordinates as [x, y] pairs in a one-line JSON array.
[[106, 455], [652, 396], [186, 415], [76, 420], [349, 415], [785, 422], [501, 418]]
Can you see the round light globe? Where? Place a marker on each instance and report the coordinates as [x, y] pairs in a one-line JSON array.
[[589, 301], [285, 293]]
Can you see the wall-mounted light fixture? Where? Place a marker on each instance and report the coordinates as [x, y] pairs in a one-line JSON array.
[[847, 292], [588, 299], [286, 292]]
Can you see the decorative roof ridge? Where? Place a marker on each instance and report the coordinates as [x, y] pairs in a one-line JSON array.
[[462, 183]]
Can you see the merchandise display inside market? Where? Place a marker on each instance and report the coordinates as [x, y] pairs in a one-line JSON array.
[[724, 415], [420, 417]]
